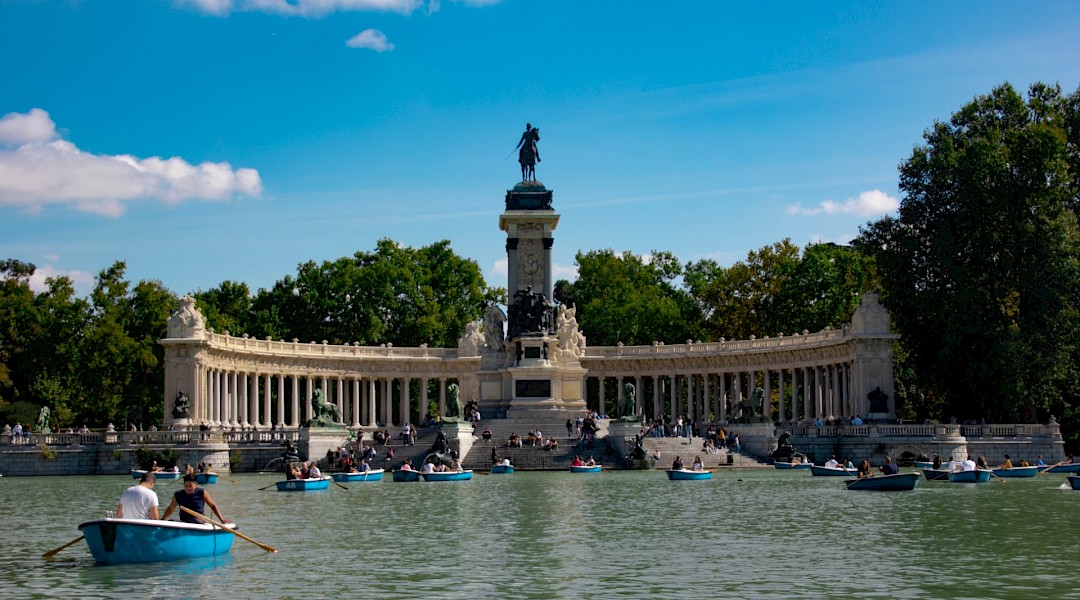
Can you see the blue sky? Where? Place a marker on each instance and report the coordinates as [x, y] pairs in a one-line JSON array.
[[211, 140]]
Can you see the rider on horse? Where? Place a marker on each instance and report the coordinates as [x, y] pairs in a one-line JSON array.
[[528, 155]]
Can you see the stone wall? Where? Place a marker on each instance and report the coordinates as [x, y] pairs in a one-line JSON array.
[[22, 460]]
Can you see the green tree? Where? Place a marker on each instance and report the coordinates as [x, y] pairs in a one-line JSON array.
[[226, 307], [397, 294], [625, 298], [981, 269]]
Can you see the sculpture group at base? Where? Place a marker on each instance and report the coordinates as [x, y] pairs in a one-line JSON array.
[[326, 413]]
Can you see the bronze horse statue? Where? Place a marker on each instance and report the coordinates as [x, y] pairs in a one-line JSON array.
[[528, 155]]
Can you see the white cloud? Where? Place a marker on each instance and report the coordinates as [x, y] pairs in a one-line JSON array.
[[82, 281], [372, 39], [35, 126], [867, 204], [501, 268], [43, 170], [303, 8]]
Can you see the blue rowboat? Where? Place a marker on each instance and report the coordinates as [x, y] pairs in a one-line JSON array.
[[832, 472], [400, 475], [587, 469], [1074, 481], [976, 476], [1016, 472], [125, 541], [163, 475], [205, 478], [885, 483], [687, 475], [790, 465], [303, 485], [924, 464], [936, 474], [503, 469], [448, 475], [369, 475], [1067, 468]]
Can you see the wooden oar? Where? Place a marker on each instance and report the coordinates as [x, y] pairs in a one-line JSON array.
[[266, 547], [995, 476], [1047, 469], [266, 487], [338, 484], [53, 552]]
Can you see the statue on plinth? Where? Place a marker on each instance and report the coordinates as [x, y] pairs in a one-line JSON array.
[[454, 411], [43, 419], [531, 312], [628, 409], [181, 406], [325, 413], [528, 154]]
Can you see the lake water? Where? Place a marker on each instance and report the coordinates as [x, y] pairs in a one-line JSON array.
[[744, 534]]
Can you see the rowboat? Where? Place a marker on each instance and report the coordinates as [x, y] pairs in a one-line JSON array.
[[790, 465], [1016, 472], [976, 476], [687, 475], [885, 483], [138, 473], [400, 475], [832, 471], [448, 475], [924, 464], [303, 485], [1066, 468], [936, 474], [205, 478], [369, 475], [503, 469], [1074, 481], [586, 469], [124, 541]]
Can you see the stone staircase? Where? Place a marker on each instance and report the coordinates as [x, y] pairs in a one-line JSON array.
[[670, 447]]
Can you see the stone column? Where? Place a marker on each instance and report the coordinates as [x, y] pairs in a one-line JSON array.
[[639, 397], [819, 408], [781, 397], [341, 398], [388, 413], [371, 401], [600, 410], [424, 381], [406, 401], [721, 394], [280, 401], [309, 391], [657, 405], [356, 402], [766, 402], [294, 408]]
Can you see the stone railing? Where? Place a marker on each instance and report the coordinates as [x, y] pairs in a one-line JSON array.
[[156, 438], [926, 430], [309, 349], [766, 343]]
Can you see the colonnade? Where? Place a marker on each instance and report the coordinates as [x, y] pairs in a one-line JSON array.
[[249, 399], [791, 394]]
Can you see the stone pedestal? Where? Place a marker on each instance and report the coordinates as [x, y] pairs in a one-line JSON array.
[[459, 435], [315, 441]]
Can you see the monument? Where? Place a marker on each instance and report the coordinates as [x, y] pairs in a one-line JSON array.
[[533, 371]]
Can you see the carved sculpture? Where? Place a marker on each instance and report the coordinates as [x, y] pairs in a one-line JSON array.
[[186, 321], [628, 410], [528, 154], [181, 406], [472, 341], [325, 413], [494, 336]]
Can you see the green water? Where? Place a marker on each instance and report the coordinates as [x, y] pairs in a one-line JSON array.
[[744, 534]]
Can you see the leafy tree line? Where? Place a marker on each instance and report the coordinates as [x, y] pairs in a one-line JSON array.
[[96, 360], [981, 267]]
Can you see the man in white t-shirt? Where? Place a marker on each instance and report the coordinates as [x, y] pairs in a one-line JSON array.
[[139, 501], [832, 464], [427, 468], [969, 465]]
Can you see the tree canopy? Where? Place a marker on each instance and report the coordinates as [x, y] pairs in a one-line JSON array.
[[981, 269]]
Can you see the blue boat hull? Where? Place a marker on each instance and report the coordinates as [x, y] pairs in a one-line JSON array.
[[1016, 472], [922, 464], [787, 465], [372, 475], [1069, 468], [885, 483], [830, 472], [502, 469], [1074, 481], [936, 474], [592, 469], [448, 476], [128, 541], [976, 476], [162, 475], [303, 485], [406, 475], [688, 475], [206, 478]]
